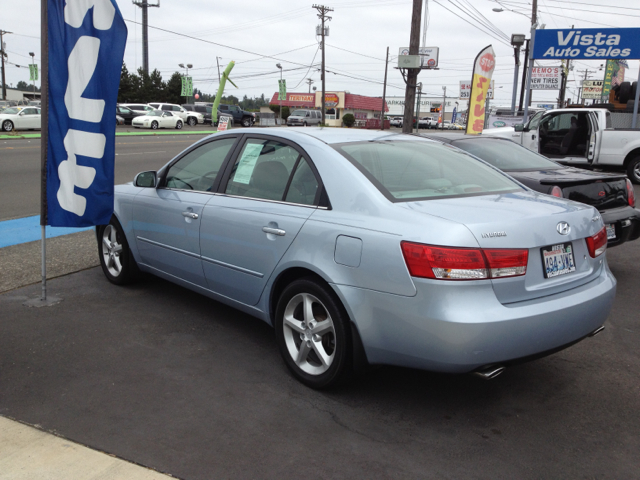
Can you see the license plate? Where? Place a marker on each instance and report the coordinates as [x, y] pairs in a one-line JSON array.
[[557, 260], [611, 231]]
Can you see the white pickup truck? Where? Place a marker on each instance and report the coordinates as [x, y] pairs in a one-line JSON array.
[[578, 136]]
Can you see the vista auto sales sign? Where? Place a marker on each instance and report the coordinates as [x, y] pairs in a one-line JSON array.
[[587, 43]]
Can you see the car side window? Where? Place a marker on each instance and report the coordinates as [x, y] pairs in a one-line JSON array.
[[198, 169], [262, 170], [176, 108], [224, 108], [303, 186], [166, 107]]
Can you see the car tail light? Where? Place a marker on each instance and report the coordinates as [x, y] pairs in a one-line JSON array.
[[597, 244], [631, 196], [445, 263], [556, 191]]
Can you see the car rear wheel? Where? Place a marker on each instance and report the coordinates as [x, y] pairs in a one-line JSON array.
[[178, 124], [312, 331], [7, 126], [116, 260], [246, 122], [154, 125], [192, 121], [633, 170]]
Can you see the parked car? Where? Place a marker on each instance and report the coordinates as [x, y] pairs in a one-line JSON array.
[[127, 113], [178, 111], [203, 110], [367, 247], [138, 107], [612, 194], [304, 117], [158, 119], [396, 122], [119, 120], [578, 136], [20, 118], [242, 117]]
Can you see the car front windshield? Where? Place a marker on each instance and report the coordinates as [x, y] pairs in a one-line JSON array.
[[504, 154], [299, 113], [407, 170]]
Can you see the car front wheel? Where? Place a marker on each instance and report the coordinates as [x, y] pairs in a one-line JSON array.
[[117, 263], [154, 125], [192, 121], [312, 331]]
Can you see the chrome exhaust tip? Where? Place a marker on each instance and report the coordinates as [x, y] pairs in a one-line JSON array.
[[596, 331], [490, 372]]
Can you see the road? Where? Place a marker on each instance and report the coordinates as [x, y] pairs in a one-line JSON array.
[[20, 167]]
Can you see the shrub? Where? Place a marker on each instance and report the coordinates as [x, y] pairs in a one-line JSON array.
[[348, 120]]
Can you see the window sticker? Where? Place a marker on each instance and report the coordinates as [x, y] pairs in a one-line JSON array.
[[247, 163]]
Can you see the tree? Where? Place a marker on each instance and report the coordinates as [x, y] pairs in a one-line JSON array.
[[126, 91], [173, 89], [22, 85], [157, 88]]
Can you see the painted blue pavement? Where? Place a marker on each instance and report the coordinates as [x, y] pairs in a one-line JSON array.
[[27, 229]]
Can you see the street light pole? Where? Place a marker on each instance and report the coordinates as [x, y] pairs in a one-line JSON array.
[[279, 94], [517, 40]]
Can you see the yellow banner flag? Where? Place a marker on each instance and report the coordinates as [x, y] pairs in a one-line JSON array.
[[482, 71]]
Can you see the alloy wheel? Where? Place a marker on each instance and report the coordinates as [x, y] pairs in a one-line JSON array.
[[111, 250], [309, 334]]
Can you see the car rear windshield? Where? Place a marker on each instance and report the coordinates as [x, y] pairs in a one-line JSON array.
[[407, 170], [504, 154]]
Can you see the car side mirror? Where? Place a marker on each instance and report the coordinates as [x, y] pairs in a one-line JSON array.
[[519, 127], [146, 179]]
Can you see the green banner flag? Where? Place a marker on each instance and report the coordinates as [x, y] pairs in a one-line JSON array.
[[33, 73], [282, 90], [187, 87], [608, 77]]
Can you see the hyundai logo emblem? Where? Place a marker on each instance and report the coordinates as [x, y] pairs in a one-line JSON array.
[[563, 228]]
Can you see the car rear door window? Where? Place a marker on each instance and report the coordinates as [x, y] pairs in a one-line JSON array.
[[262, 170], [304, 185], [198, 169]]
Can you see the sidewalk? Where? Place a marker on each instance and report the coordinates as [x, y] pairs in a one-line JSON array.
[[28, 453]]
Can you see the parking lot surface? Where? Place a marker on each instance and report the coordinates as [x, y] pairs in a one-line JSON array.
[[160, 376]]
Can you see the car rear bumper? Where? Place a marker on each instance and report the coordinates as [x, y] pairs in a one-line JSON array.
[[626, 221], [458, 328]]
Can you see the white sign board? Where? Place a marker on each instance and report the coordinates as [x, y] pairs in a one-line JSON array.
[[545, 78], [429, 55], [592, 88], [465, 90]]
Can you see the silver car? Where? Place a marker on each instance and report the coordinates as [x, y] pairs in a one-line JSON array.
[[367, 247]]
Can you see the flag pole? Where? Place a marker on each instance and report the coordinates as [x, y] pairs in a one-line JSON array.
[[44, 128]]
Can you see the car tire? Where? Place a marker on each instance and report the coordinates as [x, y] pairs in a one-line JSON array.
[[624, 94], [246, 122], [318, 360], [633, 170], [7, 126], [154, 125], [179, 125], [304, 124], [192, 122], [116, 260], [630, 105]]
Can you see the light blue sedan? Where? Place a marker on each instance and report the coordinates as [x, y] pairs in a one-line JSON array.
[[367, 247]]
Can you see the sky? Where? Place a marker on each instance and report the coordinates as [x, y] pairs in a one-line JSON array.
[[258, 34]]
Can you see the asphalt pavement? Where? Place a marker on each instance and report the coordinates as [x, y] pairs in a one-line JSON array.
[[165, 378]]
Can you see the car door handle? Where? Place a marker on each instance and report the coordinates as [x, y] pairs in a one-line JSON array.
[[274, 231], [533, 137], [190, 215]]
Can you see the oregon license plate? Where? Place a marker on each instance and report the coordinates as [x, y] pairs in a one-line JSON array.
[[611, 231], [557, 260]]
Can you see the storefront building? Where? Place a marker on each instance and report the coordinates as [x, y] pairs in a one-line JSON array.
[[429, 107], [338, 104]]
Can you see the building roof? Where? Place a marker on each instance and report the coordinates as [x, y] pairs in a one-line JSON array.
[[360, 102], [307, 100]]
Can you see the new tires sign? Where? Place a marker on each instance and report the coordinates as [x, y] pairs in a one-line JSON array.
[[587, 43]]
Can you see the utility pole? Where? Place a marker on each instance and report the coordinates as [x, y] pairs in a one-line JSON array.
[[412, 73], [144, 4], [384, 91], [2, 54], [322, 15], [309, 82], [529, 70], [218, 69], [444, 102]]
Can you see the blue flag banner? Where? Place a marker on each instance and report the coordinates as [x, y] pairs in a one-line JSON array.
[[86, 48], [587, 43], [454, 115]]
